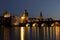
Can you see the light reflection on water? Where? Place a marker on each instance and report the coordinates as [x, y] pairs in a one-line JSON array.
[[31, 33], [22, 33], [57, 33]]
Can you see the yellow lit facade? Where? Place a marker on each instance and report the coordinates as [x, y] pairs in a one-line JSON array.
[[24, 17], [15, 20]]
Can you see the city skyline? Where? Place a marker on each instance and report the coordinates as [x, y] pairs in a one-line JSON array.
[[26, 14], [49, 8]]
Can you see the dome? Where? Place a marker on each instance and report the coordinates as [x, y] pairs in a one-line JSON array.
[[6, 14]]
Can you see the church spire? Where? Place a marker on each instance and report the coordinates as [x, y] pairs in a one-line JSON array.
[[25, 12], [40, 13], [41, 17]]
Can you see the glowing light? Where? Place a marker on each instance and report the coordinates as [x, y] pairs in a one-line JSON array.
[[22, 17], [56, 23], [22, 33], [35, 25], [42, 24], [27, 25], [16, 23], [6, 15], [52, 25]]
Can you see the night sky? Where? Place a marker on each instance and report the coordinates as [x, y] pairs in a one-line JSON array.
[[49, 8]]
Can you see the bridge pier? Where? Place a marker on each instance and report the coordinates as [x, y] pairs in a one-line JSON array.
[[41, 33], [1, 33], [6, 33]]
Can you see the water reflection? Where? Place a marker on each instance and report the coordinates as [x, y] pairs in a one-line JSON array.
[[27, 33], [30, 33], [57, 33], [22, 33], [34, 33], [6, 34], [1, 33]]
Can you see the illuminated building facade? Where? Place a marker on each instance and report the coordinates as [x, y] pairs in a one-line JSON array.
[[34, 19], [15, 20], [24, 17]]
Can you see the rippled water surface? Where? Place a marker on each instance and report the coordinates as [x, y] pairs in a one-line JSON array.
[[30, 33]]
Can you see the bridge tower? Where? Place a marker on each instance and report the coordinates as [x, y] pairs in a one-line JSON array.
[[24, 17]]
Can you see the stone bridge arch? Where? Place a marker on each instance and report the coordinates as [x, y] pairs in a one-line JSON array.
[[43, 25], [56, 23], [35, 25]]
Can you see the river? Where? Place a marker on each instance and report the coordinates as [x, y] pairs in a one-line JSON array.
[[30, 33]]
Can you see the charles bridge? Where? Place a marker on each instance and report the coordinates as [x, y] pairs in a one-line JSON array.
[[41, 23], [9, 21], [31, 24]]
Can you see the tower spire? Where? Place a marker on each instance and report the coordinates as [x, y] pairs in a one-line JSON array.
[[41, 17], [40, 13], [25, 12]]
